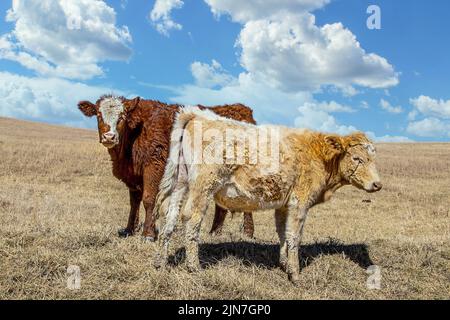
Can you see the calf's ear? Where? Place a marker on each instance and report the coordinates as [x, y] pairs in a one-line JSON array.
[[334, 147], [335, 143], [87, 108], [357, 138], [133, 119], [130, 105]]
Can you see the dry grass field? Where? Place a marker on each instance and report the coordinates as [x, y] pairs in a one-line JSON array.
[[61, 206]]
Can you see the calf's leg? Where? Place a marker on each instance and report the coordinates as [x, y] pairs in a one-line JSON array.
[[294, 227], [219, 218], [192, 232], [133, 218], [249, 227], [196, 207], [176, 201], [152, 178], [280, 221]]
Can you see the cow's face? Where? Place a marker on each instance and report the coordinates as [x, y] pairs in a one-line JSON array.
[[357, 162], [111, 115]]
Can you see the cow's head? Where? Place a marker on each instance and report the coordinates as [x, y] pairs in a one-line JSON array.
[[111, 115], [356, 154]]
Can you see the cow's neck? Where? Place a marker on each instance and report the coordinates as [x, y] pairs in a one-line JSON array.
[[115, 153], [334, 180], [118, 153], [121, 157]]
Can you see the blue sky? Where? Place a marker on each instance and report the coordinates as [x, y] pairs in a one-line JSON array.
[[304, 63]]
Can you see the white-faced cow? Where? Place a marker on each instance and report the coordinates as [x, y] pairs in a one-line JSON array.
[[137, 135]]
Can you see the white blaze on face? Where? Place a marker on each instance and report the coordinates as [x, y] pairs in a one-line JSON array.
[[111, 109]]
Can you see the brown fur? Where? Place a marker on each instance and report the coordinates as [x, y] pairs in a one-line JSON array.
[[140, 156]]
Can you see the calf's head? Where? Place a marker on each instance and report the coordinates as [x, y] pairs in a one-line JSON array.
[[111, 113], [356, 161]]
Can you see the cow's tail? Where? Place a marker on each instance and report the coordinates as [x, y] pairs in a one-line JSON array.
[[174, 163]]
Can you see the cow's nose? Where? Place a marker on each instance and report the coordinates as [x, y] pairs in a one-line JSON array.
[[109, 136], [377, 186]]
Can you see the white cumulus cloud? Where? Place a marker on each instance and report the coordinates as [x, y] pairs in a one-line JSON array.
[[430, 117], [161, 15], [316, 117], [210, 75], [51, 100], [64, 38], [282, 45], [387, 106], [244, 11], [388, 138], [432, 107], [429, 128], [293, 54]]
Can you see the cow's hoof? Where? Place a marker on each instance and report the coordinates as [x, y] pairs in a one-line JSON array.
[[296, 283], [295, 279], [149, 239], [216, 232], [193, 267], [159, 262], [283, 266], [150, 236], [124, 233]]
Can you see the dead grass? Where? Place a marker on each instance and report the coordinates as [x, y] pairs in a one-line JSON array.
[[60, 206]]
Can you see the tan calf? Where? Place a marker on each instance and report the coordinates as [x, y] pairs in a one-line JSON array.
[[305, 168]]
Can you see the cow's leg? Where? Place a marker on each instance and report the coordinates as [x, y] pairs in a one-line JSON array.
[[152, 177], [133, 218], [176, 201], [219, 218], [193, 224], [249, 227], [294, 227], [280, 221], [194, 212]]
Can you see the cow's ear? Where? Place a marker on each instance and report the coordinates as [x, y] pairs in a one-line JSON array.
[[357, 138], [87, 108], [335, 143], [130, 105], [134, 119], [334, 147]]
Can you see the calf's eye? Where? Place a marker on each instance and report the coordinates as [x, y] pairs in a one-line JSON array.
[[357, 159]]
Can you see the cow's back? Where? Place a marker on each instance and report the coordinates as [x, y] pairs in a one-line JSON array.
[[152, 145], [238, 112]]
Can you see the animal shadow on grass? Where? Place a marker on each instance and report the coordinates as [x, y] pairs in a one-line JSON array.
[[267, 255]]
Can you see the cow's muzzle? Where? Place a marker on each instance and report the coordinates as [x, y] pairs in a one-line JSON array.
[[374, 187], [109, 140]]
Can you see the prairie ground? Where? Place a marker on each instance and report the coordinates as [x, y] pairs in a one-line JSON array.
[[61, 206]]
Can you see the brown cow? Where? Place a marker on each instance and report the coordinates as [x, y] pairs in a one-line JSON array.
[[137, 135], [304, 169]]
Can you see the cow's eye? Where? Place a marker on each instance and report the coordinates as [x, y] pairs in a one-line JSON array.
[[357, 159]]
